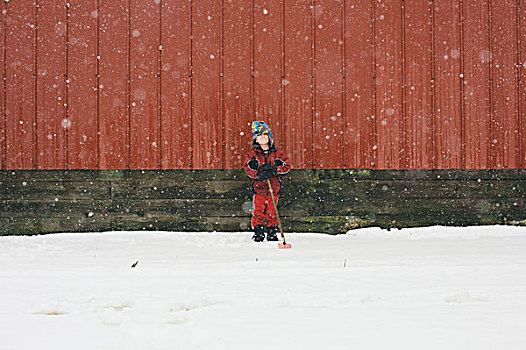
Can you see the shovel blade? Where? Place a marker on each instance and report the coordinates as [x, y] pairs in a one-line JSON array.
[[284, 246]]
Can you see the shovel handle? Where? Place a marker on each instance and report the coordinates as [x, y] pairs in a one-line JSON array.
[[276, 209]]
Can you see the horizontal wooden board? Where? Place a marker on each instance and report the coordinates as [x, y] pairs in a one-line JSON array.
[[34, 225], [57, 209], [166, 189], [51, 190], [236, 174], [330, 201], [188, 224], [404, 189]]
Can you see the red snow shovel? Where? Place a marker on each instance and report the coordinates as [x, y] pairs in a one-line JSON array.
[[284, 244]]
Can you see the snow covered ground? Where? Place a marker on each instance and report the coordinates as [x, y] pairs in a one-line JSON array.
[[427, 288]]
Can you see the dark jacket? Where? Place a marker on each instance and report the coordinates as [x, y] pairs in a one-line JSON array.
[[274, 156]]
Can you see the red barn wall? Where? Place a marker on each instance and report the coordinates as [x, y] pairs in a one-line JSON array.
[[158, 84]]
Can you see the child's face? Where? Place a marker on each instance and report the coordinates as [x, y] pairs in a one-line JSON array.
[[262, 139]]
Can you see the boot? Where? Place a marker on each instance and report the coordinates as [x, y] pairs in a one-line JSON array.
[[272, 233], [259, 233]]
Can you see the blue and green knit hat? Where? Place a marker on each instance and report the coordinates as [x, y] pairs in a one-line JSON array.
[[260, 127]]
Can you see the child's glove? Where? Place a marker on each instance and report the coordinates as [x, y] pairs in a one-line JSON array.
[[279, 162], [267, 171], [253, 164]]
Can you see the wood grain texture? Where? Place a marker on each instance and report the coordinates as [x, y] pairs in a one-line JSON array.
[[330, 201], [175, 84]]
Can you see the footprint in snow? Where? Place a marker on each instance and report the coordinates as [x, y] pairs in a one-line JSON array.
[[179, 312], [463, 297], [50, 312]]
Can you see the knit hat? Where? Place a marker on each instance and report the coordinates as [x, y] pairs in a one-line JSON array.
[[259, 128]]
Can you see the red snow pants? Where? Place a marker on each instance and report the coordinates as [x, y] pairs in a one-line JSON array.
[[264, 209]]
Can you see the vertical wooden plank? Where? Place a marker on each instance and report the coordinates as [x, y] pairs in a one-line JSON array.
[[268, 80], [328, 113], [144, 91], [51, 85], [476, 95], [82, 85], [237, 84], [2, 90], [504, 117], [113, 85], [206, 84], [176, 123], [359, 126], [389, 113], [447, 57], [521, 22], [20, 84], [297, 84], [418, 89]]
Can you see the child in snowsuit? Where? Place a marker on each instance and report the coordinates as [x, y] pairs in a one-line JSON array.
[[263, 162]]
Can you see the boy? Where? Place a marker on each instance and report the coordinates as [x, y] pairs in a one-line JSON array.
[[263, 162]]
